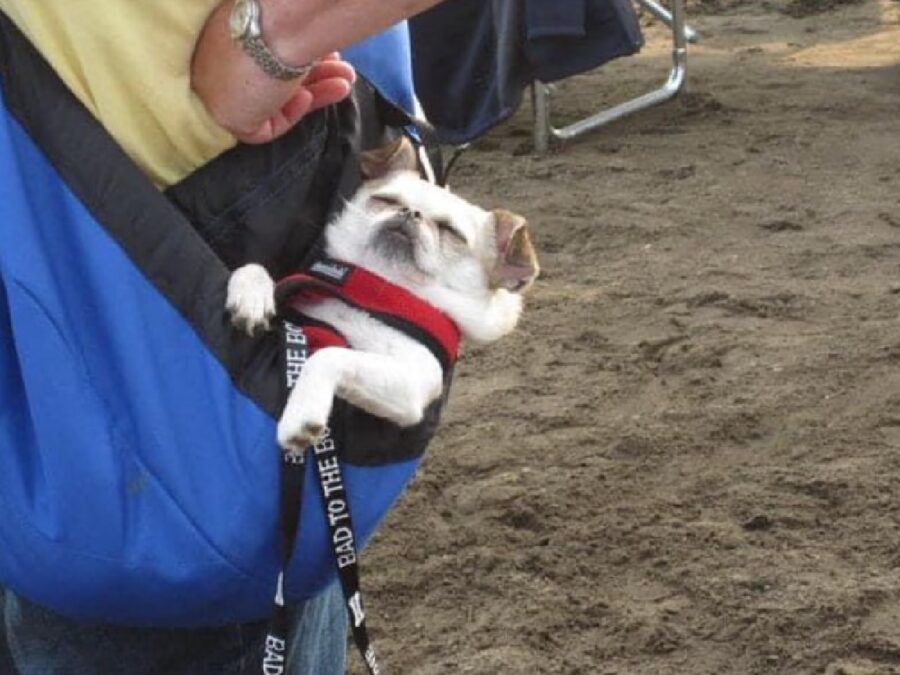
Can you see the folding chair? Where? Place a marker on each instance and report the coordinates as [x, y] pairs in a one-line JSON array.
[[545, 132]]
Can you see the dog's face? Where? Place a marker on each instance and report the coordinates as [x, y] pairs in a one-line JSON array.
[[434, 243]]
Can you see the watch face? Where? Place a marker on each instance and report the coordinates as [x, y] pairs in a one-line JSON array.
[[241, 18]]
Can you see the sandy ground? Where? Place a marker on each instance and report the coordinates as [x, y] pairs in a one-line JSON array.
[[688, 458]]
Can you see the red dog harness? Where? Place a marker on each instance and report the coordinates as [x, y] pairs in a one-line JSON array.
[[359, 288]]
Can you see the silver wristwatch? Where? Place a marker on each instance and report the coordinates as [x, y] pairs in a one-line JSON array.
[[245, 25]]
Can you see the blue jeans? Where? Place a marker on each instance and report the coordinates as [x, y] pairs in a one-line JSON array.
[[35, 641]]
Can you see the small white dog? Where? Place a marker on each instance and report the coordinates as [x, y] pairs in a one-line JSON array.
[[469, 263]]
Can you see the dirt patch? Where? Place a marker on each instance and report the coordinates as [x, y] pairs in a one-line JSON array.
[[700, 7], [801, 8], [687, 460]]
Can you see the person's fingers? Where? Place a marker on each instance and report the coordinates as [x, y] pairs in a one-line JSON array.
[[328, 92], [296, 108], [333, 56], [282, 121], [327, 83], [327, 70]]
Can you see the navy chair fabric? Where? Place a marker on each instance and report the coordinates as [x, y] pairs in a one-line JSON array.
[[473, 59]]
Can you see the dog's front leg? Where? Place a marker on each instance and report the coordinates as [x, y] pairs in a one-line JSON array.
[[380, 384]]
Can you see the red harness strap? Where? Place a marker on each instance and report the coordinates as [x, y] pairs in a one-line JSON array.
[[319, 337], [364, 290]]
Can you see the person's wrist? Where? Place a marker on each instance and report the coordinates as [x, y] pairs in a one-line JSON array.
[[231, 85], [282, 26]]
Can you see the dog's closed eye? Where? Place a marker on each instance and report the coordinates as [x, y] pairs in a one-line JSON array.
[[446, 227], [387, 201]]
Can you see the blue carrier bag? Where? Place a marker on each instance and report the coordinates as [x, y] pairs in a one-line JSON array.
[[138, 468]]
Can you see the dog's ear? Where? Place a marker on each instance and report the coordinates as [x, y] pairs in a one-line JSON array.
[[399, 155], [517, 265]]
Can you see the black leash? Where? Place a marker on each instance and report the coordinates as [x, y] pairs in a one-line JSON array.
[[325, 457]]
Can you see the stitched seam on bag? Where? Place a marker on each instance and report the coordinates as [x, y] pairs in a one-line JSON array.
[[276, 182]]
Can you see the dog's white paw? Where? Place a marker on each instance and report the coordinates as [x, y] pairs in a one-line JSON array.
[[296, 434], [251, 299]]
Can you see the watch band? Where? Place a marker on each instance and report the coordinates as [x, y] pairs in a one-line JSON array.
[[257, 48], [245, 26]]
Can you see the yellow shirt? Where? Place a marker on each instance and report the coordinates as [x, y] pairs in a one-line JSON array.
[[128, 62]]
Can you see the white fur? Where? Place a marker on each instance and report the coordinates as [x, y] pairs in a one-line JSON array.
[[460, 288], [387, 373], [251, 298]]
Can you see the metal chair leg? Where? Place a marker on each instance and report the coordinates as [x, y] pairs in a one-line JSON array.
[[666, 17], [544, 131]]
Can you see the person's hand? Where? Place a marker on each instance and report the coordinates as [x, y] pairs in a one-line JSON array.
[[244, 100]]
